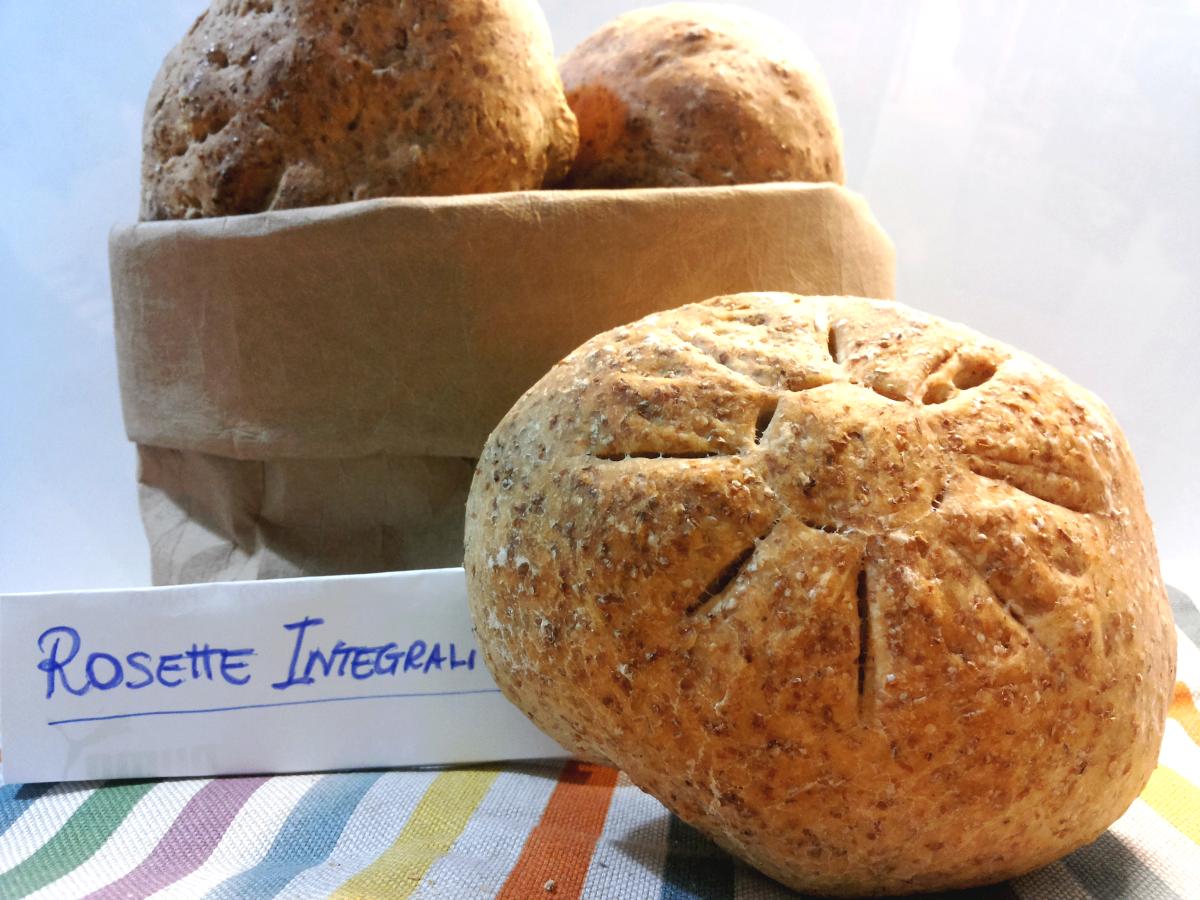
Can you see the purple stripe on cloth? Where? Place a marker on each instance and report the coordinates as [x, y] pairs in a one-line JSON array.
[[190, 840]]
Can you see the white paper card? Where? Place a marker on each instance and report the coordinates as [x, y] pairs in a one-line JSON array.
[[304, 674]]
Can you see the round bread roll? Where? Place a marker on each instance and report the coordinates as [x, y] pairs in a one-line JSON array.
[[694, 94], [270, 105], [870, 599]]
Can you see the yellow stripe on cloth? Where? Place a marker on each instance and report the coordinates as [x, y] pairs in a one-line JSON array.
[[431, 830], [1175, 799], [1183, 711]]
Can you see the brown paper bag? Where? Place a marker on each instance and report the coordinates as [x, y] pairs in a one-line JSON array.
[[309, 388]]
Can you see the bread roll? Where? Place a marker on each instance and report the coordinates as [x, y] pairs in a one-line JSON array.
[[870, 599], [270, 105], [694, 94]]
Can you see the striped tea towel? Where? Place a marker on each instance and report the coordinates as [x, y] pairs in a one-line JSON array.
[[518, 832]]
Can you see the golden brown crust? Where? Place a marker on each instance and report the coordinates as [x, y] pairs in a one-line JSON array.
[[689, 94], [270, 104], [867, 597]]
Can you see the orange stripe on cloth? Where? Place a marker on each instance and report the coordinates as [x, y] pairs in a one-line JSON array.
[[1175, 799], [1183, 711], [556, 857]]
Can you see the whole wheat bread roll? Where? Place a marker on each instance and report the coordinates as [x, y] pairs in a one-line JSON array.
[[870, 599], [699, 94], [270, 104]]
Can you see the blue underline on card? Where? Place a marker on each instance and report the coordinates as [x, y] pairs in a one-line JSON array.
[[218, 709]]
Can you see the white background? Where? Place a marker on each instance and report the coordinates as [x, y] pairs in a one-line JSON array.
[[1037, 165]]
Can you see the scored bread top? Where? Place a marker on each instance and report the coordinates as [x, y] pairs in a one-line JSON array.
[[869, 598]]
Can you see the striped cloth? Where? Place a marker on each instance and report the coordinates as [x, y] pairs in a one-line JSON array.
[[548, 831]]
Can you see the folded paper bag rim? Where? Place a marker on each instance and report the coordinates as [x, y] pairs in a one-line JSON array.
[[409, 325]]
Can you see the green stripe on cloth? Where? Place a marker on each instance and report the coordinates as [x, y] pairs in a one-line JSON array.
[[695, 867], [79, 838], [1109, 870]]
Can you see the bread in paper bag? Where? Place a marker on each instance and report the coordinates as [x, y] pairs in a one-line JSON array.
[[695, 93], [870, 599], [313, 102]]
